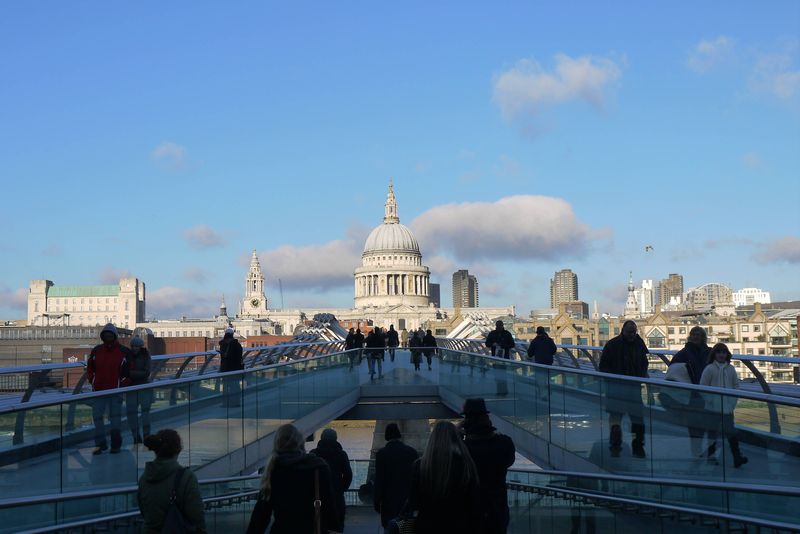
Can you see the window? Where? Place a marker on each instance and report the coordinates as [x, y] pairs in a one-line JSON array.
[[441, 332], [655, 341], [745, 328], [756, 328], [566, 341], [750, 352], [670, 330], [682, 330], [761, 352]]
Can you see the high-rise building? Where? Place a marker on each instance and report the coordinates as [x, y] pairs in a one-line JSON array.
[[670, 290], [563, 287], [749, 296], [465, 290], [709, 296], [645, 297], [435, 291]]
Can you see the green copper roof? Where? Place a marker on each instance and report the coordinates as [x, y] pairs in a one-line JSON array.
[[83, 291]]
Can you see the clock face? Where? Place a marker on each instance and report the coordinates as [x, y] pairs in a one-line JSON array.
[[255, 302]]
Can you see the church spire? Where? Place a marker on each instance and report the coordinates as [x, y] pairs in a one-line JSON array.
[[390, 208]]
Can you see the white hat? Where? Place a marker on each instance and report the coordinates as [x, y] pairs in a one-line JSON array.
[[229, 330]]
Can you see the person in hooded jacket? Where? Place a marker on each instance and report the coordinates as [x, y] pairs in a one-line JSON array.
[[158, 481], [392, 474], [501, 339], [625, 354], [392, 341], [429, 347], [293, 480], [694, 356], [139, 368], [107, 369], [416, 353], [231, 359], [335, 456], [542, 348], [493, 453]]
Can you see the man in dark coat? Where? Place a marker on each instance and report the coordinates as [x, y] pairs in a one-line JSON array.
[[350, 344], [106, 369], [375, 347], [358, 343], [392, 341], [335, 456], [542, 348], [500, 338], [429, 347], [695, 356], [230, 351], [392, 474], [625, 355], [493, 454]]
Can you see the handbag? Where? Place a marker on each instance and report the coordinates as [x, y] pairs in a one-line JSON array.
[[174, 522], [401, 525], [317, 505]]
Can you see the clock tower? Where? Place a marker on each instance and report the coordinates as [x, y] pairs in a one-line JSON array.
[[254, 303]]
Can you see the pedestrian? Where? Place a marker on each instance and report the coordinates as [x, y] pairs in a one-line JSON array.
[[349, 347], [493, 453], [375, 347], [107, 369], [541, 351], [404, 338], [393, 465], [542, 348], [358, 343], [330, 450], [719, 373], [415, 344], [626, 355], [694, 357], [293, 482], [500, 339], [444, 486], [139, 370], [392, 341], [164, 477], [429, 347], [231, 352]]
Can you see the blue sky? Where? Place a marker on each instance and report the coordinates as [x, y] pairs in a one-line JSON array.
[[169, 140]]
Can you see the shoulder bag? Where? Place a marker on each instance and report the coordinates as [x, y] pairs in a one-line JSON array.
[[174, 522]]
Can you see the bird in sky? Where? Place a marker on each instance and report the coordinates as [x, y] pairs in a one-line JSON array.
[[648, 248]]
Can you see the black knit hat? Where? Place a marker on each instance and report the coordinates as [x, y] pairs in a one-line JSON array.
[[473, 407], [392, 432]]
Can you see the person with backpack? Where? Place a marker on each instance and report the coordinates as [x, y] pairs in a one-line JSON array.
[[169, 495], [375, 348], [139, 369]]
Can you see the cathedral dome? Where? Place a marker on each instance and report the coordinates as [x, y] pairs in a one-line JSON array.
[[393, 237]]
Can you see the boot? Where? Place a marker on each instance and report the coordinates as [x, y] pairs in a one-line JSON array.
[[738, 459], [637, 445], [711, 454], [615, 441]]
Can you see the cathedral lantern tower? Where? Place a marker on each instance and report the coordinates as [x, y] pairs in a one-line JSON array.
[[254, 303], [391, 271]]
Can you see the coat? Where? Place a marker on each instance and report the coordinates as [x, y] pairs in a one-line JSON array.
[[341, 474], [292, 498], [107, 366], [358, 340], [720, 375], [230, 351], [493, 454], [501, 338], [155, 487], [350, 341], [429, 344], [625, 358], [392, 478], [461, 510], [375, 345], [139, 367], [392, 339], [542, 349], [695, 357]]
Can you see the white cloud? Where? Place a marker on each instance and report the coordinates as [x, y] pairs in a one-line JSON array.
[[173, 302], [170, 155], [202, 236], [440, 265], [195, 274], [776, 74], [785, 249], [515, 227], [708, 54], [527, 88], [109, 275], [14, 299], [321, 267]]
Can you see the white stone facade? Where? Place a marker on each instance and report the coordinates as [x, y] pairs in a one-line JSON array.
[[749, 296], [122, 304], [254, 303]]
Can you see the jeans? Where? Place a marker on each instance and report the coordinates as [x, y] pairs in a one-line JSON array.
[[112, 404], [133, 401], [371, 364]]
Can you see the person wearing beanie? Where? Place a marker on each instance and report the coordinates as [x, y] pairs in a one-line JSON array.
[[107, 369], [393, 465], [139, 369], [163, 475], [230, 359], [330, 450], [493, 453]]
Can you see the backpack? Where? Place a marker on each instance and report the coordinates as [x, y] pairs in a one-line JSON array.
[[174, 522]]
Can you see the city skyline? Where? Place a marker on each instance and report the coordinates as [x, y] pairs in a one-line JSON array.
[[171, 160]]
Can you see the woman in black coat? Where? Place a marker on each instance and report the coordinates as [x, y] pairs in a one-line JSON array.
[[289, 489]]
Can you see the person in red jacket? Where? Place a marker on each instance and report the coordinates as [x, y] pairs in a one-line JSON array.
[[106, 369]]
